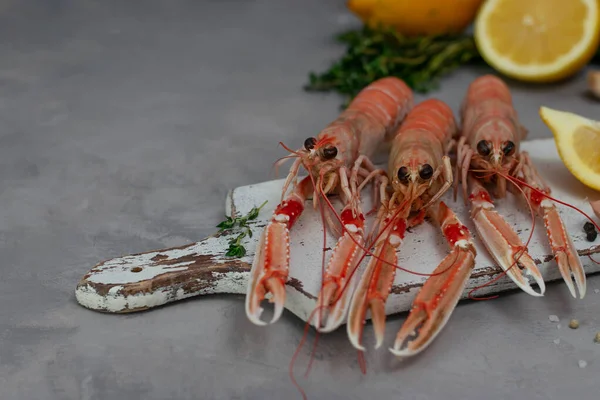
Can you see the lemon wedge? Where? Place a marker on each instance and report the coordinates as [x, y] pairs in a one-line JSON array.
[[578, 143], [538, 40]]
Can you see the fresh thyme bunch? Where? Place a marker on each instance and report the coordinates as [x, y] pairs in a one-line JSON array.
[[235, 247], [372, 54]]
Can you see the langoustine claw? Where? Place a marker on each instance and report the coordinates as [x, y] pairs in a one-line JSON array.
[[440, 294], [271, 261], [502, 242]]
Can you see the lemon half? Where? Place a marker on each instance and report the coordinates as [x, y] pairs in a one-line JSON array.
[[578, 143], [538, 40], [417, 17]]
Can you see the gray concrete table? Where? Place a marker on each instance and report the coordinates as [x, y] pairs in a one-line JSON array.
[[123, 126]]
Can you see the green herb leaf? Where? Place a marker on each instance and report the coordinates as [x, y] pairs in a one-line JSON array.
[[235, 248], [374, 53], [253, 214], [236, 251], [227, 224]]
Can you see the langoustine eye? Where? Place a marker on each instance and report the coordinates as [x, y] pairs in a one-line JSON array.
[[426, 172], [403, 174], [509, 148], [310, 143], [484, 148], [330, 152]]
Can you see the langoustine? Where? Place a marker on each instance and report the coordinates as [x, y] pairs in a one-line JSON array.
[[488, 153], [420, 173], [338, 160]]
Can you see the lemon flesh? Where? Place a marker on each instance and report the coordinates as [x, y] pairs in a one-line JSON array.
[[578, 143], [538, 40]]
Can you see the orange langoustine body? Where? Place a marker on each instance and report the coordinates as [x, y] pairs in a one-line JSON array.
[[420, 173], [488, 153], [337, 161]]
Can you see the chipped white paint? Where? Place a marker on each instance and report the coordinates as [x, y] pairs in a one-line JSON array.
[[422, 249], [142, 268], [125, 275], [113, 301], [232, 282]]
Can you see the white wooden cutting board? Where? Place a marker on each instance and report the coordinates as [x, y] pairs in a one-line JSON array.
[[142, 281]]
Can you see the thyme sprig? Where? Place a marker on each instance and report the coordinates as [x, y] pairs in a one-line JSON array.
[[236, 249], [374, 53]]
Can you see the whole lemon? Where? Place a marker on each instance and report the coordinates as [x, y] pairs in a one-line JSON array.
[[417, 17]]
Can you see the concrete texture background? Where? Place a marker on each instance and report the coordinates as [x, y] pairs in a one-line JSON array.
[[124, 124]]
